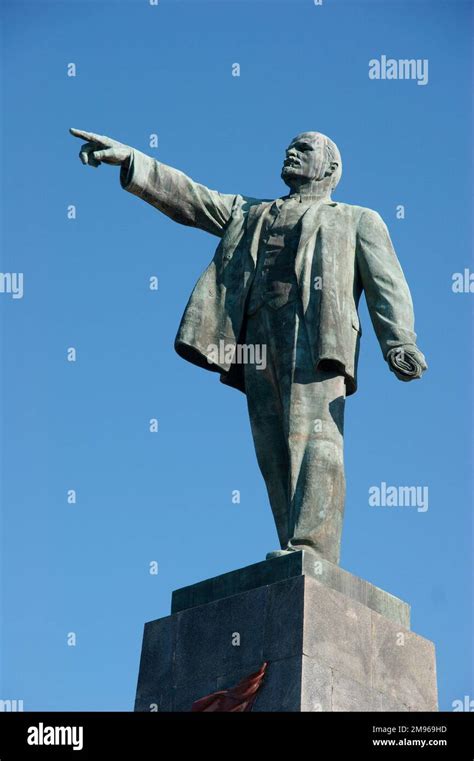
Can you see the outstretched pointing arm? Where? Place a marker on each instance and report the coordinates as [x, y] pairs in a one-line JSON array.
[[169, 190]]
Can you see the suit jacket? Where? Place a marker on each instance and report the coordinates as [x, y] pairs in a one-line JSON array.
[[346, 249]]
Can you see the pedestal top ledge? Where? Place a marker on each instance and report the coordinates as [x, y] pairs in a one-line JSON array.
[[286, 567]]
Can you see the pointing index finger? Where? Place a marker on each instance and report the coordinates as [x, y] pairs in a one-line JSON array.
[[91, 137]]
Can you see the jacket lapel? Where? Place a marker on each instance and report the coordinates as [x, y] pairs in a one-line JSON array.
[[255, 220], [303, 261]]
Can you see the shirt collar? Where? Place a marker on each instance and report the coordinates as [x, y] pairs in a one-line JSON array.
[[306, 198]]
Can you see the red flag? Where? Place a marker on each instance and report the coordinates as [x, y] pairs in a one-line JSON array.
[[238, 699]]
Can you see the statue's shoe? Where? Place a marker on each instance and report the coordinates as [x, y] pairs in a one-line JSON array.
[[280, 553]]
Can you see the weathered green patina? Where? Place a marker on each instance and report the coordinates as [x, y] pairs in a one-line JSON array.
[[276, 315]]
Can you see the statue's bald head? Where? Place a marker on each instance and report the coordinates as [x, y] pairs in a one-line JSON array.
[[312, 156]]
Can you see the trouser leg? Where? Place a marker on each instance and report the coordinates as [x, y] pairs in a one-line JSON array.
[[267, 423], [297, 417], [317, 482]]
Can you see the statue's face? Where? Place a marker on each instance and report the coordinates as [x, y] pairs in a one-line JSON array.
[[305, 159]]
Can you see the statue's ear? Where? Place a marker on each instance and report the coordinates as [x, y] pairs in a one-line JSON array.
[[331, 168]]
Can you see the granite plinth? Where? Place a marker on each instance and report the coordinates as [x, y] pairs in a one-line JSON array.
[[332, 642], [287, 567]]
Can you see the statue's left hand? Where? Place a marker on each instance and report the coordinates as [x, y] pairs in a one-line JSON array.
[[101, 149], [407, 362]]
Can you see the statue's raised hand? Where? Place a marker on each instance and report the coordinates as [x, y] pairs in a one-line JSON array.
[[101, 149]]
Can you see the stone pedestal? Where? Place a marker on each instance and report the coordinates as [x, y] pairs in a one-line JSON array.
[[333, 642]]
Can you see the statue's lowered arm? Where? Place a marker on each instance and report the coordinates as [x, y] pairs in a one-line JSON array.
[[167, 189], [388, 297]]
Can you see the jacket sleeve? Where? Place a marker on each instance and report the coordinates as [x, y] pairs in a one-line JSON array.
[[176, 195], [388, 296]]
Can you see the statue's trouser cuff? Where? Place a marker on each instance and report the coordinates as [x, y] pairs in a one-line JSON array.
[[297, 417]]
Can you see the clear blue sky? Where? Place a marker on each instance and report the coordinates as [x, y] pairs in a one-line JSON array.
[[84, 568]]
